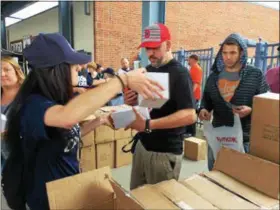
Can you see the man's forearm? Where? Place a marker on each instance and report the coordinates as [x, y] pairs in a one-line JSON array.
[[178, 119]]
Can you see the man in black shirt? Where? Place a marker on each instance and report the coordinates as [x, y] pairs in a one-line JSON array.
[[158, 155]]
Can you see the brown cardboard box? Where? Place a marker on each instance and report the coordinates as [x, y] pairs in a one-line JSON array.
[[89, 118], [150, 198], [218, 196], [122, 158], [182, 196], [88, 139], [104, 134], [265, 127], [89, 190], [105, 155], [195, 149], [259, 199], [122, 134], [88, 158], [257, 173]]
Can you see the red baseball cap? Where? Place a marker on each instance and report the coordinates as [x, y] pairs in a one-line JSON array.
[[154, 35]]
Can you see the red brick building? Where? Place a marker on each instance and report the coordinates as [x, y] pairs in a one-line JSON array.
[[193, 25]]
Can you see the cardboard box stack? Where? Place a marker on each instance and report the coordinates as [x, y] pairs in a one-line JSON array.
[[195, 149], [87, 156], [238, 181], [103, 146]]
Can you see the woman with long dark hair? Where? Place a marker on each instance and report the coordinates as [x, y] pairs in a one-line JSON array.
[[43, 119]]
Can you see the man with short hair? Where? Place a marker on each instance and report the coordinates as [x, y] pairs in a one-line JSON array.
[[231, 88], [158, 152], [125, 66], [196, 76]]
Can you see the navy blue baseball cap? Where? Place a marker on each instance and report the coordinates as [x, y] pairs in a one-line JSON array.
[[48, 50]]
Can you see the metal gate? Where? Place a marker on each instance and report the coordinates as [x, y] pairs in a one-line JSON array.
[[266, 56], [206, 59], [271, 56]]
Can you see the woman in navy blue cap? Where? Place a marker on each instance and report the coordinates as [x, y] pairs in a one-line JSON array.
[[43, 120]]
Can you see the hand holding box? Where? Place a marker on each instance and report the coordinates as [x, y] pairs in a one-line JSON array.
[[163, 80]]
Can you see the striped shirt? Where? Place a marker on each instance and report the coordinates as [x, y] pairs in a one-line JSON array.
[[252, 82]]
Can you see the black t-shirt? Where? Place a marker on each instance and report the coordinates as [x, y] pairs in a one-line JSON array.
[[181, 97]]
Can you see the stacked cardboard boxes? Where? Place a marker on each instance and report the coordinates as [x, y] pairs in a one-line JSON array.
[[103, 146], [87, 154], [238, 180]]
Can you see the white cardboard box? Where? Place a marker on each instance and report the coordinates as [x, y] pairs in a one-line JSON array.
[[163, 79], [123, 118]]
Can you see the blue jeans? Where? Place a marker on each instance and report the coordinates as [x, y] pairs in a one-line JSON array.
[[211, 159]]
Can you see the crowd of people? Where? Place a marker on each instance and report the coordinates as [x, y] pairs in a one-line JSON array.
[[44, 109]]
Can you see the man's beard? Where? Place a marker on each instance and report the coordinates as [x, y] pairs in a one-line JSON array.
[[233, 66], [158, 63]]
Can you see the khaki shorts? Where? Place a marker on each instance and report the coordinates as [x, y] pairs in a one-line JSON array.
[[153, 167]]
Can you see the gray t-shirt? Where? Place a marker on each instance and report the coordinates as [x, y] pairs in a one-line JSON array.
[[228, 82]]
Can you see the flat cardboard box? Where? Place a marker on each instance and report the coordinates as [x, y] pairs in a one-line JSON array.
[[122, 158], [195, 149], [259, 199], [218, 196], [151, 198], [182, 196], [124, 117], [264, 139], [122, 133], [105, 155], [114, 108], [89, 190], [257, 173], [88, 139], [163, 79], [104, 134], [88, 158]]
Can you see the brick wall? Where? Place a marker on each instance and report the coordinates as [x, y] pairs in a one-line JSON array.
[[197, 25], [193, 25], [117, 31]]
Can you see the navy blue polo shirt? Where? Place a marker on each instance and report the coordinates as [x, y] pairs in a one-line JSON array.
[[55, 155]]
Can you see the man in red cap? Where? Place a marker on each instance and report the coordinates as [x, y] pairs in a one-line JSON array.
[[158, 150]]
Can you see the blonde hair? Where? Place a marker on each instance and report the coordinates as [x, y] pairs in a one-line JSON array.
[[16, 66], [92, 65]]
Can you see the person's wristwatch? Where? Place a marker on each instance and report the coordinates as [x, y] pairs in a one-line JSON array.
[[147, 127]]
